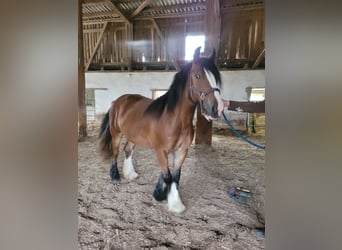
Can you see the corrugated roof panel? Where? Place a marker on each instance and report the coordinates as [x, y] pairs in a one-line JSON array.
[[159, 8]]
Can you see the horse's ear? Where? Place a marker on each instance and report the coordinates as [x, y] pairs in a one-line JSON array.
[[197, 54], [212, 57]]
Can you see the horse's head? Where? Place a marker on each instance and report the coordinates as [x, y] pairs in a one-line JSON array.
[[205, 81]]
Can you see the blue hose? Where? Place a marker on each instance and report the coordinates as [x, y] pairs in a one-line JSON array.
[[240, 135]]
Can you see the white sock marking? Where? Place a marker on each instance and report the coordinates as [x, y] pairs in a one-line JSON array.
[[173, 200], [128, 169]]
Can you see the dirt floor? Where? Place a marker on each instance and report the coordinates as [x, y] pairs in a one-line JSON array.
[[125, 215]]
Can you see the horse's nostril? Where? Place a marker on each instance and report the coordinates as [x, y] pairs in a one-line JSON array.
[[214, 109]]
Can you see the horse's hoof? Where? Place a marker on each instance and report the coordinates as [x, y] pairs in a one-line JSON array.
[[115, 180], [177, 208], [132, 176], [159, 195], [174, 202], [115, 177]]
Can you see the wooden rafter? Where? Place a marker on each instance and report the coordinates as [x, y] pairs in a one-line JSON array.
[[96, 46], [156, 26], [190, 6], [140, 8], [101, 14], [92, 1], [259, 59], [113, 6], [103, 20], [175, 15]]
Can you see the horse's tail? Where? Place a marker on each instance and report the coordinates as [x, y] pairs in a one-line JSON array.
[[105, 138]]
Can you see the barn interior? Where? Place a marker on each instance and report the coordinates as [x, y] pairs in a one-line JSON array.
[[137, 46], [141, 44]]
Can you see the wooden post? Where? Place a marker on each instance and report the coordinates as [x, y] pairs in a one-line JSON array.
[[203, 129], [213, 31], [213, 27], [129, 38], [82, 112]]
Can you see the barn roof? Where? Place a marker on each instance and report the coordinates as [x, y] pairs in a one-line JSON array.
[[128, 10]]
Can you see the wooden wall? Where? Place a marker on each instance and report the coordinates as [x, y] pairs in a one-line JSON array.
[[111, 46], [242, 36]]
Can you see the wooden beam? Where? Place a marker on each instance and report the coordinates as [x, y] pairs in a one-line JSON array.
[[99, 30], [176, 64], [213, 26], [179, 23], [203, 136], [92, 1], [98, 42], [82, 112], [196, 6], [113, 6], [241, 9], [102, 14], [259, 59], [176, 15], [140, 8], [129, 38], [213, 30], [248, 107], [104, 20], [156, 26]]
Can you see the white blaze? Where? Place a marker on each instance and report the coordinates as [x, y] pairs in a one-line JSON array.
[[212, 81]]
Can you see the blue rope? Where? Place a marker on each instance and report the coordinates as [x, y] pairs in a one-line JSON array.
[[240, 135]]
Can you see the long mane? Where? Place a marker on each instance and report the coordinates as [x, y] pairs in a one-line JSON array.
[[170, 99], [172, 96]]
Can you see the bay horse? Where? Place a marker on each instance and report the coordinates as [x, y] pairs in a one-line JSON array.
[[164, 124]]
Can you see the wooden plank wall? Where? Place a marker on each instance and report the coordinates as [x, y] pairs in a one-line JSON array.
[[146, 42], [163, 40], [242, 35]]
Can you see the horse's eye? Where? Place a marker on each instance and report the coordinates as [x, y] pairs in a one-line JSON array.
[[197, 76]]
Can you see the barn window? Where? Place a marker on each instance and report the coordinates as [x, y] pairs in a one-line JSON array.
[[192, 42], [257, 94], [158, 92]]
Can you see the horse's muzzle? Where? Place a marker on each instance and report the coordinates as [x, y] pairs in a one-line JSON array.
[[210, 112]]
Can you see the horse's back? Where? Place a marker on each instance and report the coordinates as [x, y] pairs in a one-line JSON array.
[[129, 99], [129, 102]]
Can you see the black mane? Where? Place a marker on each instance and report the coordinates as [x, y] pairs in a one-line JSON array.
[[173, 95]]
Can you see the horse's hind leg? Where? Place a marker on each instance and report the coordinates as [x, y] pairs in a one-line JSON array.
[[128, 168], [114, 172]]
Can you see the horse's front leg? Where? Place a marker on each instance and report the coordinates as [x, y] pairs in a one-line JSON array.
[[174, 201], [165, 179]]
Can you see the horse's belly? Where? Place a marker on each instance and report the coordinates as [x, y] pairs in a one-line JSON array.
[[139, 137]]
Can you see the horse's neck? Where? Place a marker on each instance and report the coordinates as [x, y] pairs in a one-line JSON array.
[[186, 110]]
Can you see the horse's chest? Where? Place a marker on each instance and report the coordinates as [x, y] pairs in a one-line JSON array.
[[185, 137]]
